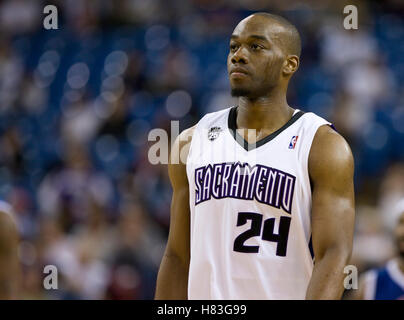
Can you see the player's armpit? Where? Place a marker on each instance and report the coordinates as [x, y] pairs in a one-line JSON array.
[[172, 281], [331, 169], [9, 265]]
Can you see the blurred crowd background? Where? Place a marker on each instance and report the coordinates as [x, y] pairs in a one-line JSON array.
[[77, 104]]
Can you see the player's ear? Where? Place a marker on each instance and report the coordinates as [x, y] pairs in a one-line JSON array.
[[291, 65]]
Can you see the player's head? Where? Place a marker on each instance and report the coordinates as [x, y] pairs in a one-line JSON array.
[[399, 234], [265, 50]]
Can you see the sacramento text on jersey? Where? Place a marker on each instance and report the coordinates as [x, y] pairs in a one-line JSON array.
[[242, 181]]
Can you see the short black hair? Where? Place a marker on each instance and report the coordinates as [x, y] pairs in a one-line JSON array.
[[292, 43]]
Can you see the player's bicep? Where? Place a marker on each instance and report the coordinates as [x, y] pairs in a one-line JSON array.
[[331, 171]]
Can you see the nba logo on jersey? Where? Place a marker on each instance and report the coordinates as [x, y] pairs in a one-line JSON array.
[[293, 141]]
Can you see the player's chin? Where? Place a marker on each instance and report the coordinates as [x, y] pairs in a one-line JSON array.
[[240, 91]]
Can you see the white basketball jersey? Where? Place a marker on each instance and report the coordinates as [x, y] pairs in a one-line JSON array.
[[250, 210]]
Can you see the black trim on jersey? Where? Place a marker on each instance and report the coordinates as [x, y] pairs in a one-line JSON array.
[[311, 248], [232, 124]]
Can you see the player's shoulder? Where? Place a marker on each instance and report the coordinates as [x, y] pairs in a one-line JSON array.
[[185, 135], [330, 152], [327, 141], [180, 147], [311, 118], [207, 121], [182, 144]]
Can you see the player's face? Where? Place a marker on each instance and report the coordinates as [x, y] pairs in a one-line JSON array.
[[399, 235], [255, 58]]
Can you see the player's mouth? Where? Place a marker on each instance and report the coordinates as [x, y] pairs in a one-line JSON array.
[[238, 73]]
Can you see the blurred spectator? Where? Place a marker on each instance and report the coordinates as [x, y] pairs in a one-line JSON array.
[[135, 256], [79, 121], [69, 191], [35, 98], [19, 16], [391, 191], [11, 70]]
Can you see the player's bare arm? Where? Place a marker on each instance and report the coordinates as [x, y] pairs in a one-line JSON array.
[[172, 280], [358, 294], [8, 257], [331, 169]]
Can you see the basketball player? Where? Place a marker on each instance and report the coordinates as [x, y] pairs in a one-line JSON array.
[[386, 283], [249, 205], [9, 270]]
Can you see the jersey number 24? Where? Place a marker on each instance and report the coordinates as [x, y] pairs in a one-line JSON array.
[[267, 232]]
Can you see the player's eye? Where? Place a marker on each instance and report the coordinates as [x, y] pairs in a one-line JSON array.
[[255, 46], [233, 47]]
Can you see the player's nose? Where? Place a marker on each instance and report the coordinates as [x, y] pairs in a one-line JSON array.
[[240, 56]]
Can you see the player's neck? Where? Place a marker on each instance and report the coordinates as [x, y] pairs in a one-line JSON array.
[[263, 113]]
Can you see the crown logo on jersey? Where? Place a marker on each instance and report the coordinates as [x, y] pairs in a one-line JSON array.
[[293, 142], [214, 133]]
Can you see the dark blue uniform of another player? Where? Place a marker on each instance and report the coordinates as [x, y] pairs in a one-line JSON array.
[[388, 283]]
